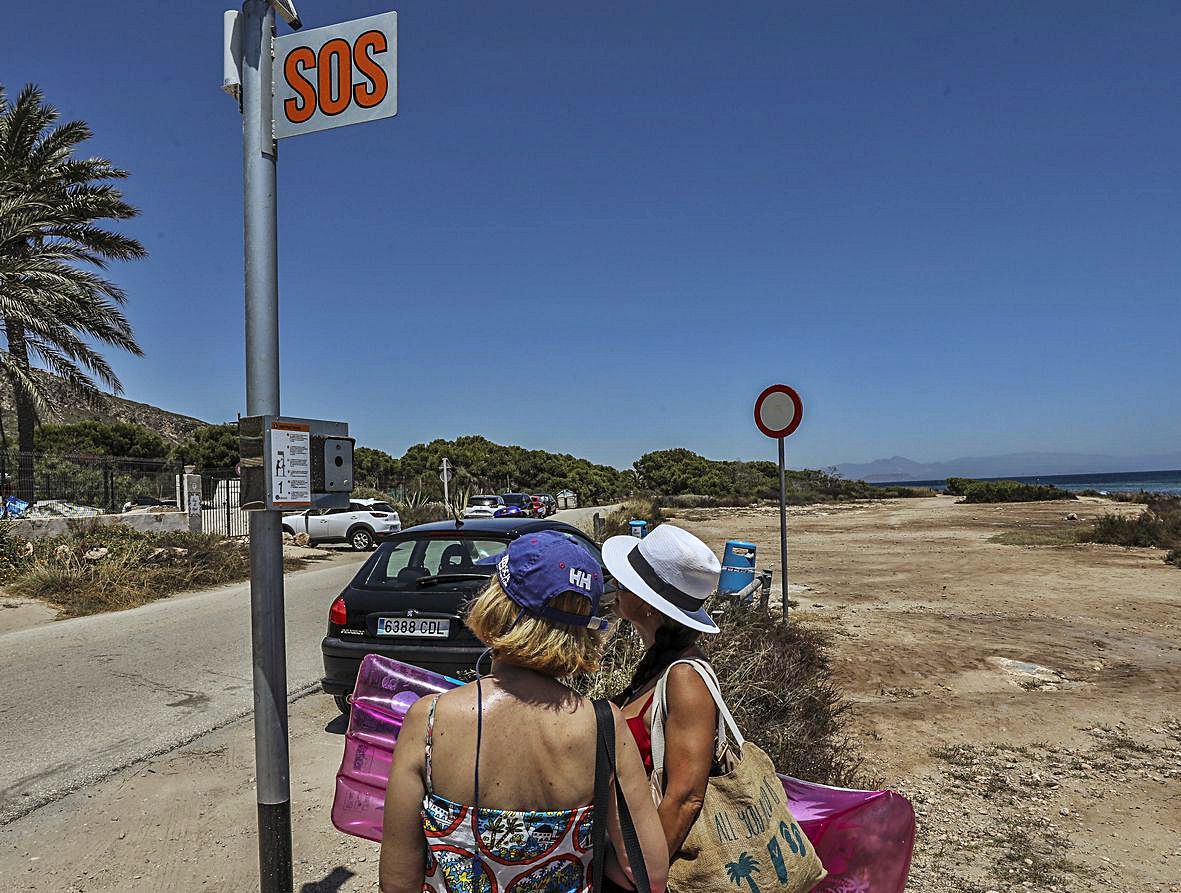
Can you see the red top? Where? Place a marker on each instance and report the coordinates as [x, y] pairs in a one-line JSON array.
[[640, 732]]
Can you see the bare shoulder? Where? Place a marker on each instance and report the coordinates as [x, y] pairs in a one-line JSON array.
[[416, 715], [686, 689]]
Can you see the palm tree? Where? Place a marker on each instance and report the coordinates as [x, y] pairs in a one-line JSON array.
[[54, 302], [743, 870]]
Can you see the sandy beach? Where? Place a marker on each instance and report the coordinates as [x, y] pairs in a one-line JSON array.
[[1026, 699]]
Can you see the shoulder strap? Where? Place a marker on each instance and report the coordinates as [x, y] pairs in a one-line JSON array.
[[430, 743], [604, 770], [660, 709]]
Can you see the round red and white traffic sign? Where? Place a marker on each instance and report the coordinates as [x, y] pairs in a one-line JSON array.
[[778, 411]]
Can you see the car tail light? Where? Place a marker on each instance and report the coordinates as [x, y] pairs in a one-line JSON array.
[[379, 514], [339, 612]]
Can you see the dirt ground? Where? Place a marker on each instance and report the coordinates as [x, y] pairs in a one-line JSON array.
[[1025, 698]]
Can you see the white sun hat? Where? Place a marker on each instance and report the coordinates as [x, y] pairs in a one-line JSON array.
[[670, 569]]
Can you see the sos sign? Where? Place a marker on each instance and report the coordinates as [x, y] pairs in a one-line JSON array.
[[342, 74]]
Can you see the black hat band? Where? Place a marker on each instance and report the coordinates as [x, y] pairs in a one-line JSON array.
[[665, 590]]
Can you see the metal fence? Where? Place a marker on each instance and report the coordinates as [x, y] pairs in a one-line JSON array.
[[221, 507], [51, 484]]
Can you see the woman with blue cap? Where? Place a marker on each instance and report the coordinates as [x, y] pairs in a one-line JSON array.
[[493, 784]]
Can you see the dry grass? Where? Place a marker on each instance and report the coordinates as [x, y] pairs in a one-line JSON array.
[[134, 569], [1039, 536], [638, 508]]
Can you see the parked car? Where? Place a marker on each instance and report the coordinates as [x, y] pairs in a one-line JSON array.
[[407, 600], [523, 501], [482, 506], [364, 524], [551, 504]]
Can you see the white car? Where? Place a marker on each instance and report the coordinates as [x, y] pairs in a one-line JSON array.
[[482, 506], [364, 524]]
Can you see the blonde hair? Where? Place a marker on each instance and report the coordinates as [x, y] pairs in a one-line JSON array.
[[535, 642]]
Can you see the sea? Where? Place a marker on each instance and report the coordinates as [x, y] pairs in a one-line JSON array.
[[1111, 482]]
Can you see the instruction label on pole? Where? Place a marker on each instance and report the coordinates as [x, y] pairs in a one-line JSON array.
[[343, 74], [290, 466]]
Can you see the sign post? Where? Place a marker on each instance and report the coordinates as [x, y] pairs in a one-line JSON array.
[[445, 477], [329, 77], [778, 412]]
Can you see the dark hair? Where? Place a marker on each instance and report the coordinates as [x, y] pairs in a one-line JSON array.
[[672, 640]]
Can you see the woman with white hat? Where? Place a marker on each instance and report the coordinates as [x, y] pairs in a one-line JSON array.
[[664, 580]]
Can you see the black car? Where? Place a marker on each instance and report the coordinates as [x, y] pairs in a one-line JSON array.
[[407, 600], [523, 501]]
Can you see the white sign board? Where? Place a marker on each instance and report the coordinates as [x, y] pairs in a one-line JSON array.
[[343, 74], [291, 471]]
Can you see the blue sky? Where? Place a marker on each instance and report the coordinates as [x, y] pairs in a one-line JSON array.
[[604, 229]]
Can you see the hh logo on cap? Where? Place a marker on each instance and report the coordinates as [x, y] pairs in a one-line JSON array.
[[581, 579]]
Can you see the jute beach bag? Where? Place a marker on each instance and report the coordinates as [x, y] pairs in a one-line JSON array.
[[745, 834]]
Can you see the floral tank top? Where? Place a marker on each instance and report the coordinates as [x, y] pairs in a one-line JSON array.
[[519, 852]]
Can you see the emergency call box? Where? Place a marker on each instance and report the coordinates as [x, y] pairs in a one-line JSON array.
[[290, 464]]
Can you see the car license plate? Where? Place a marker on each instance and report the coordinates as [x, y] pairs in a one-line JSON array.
[[418, 627]]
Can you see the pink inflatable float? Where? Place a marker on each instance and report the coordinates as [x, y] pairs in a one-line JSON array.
[[864, 838]]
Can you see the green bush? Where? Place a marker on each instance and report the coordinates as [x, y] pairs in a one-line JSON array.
[[901, 492], [958, 486], [681, 473], [1159, 525], [1006, 491]]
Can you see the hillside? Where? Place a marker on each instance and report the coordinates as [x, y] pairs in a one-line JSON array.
[[66, 407]]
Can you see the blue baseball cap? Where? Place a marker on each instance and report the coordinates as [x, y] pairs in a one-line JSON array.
[[538, 567]]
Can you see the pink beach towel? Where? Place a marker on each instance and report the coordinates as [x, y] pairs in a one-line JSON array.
[[864, 838]]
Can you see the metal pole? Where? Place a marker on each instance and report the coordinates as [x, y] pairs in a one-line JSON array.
[[446, 486], [273, 786], [783, 527]]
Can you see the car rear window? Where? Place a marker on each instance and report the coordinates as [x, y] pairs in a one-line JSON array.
[[381, 507], [483, 500], [400, 565], [520, 500]]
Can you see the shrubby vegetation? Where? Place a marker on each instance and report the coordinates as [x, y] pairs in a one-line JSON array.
[[679, 477], [974, 491], [1158, 525], [91, 438], [375, 468], [487, 467], [683, 474], [110, 568], [213, 448]]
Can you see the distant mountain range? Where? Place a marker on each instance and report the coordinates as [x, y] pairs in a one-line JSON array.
[[899, 468]]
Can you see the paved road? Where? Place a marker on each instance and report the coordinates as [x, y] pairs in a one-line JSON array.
[[582, 517], [85, 697]]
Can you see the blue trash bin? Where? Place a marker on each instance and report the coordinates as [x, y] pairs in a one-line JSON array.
[[738, 568], [638, 528]]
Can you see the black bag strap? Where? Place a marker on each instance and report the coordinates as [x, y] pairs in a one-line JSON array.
[[604, 770]]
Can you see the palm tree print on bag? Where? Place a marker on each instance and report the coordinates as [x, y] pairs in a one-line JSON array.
[[744, 870]]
